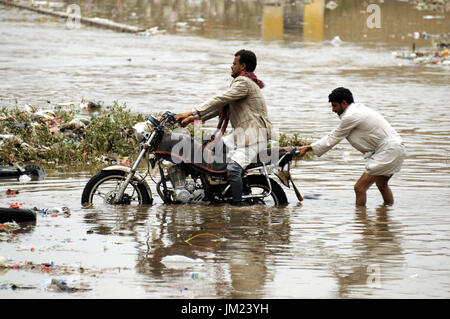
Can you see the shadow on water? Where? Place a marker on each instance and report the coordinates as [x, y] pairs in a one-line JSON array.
[[229, 250], [378, 253], [237, 252], [320, 248]]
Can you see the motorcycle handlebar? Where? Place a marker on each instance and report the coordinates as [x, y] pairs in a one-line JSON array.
[[169, 116], [166, 117], [288, 157]]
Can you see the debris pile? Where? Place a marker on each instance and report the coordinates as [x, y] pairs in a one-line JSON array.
[[331, 5], [9, 227], [52, 268], [151, 32], [425, 57], [431, 5], [66, 133], [437, 54], [59, 285], [87, 133], [56, 211]]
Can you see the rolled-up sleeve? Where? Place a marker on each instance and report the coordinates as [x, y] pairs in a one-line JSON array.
[[344, 128], [238, 90]]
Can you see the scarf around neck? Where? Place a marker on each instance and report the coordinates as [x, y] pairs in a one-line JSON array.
[[224, 112], [252, 76]]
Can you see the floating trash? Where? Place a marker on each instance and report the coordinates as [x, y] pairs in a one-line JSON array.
[[312, 196], [24, 179], [433, 17], [336, 41], [431, 5], [90, 105], [331, 5], [189, 241], [9, 226], [151, 32], [3, 262], [426, 57], [57, 211], [180, 262], [194, 275], [60, 285]]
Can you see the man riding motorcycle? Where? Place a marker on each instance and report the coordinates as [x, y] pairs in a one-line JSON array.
[[244, 106]]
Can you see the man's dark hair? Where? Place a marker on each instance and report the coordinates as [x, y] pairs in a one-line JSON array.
[[247, 57], [341, 94]]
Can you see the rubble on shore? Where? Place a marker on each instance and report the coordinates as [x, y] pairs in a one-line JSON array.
[[425, 57], [431, 5], [68, 133], [75, 134], [437, 54]]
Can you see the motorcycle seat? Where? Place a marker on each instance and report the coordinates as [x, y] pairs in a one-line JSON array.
[[179, 148], [270, 156]]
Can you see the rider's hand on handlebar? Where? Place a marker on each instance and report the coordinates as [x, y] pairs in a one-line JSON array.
[[186, 118], [181, 116]]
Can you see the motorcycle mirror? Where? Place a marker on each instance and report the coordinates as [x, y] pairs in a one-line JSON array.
[[152, 120]]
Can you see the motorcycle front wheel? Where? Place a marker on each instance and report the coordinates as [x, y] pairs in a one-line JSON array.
[[103, 187]]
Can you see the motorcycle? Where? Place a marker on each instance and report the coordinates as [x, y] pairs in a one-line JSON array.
[[184, 178]]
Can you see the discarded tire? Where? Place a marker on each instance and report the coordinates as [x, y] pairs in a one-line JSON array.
[[33, 171], [16, 214], [9, 171]]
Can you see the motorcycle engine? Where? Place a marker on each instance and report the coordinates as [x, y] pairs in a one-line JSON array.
[[184, 190]]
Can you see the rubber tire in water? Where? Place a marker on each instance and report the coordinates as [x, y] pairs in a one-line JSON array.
[[278, 194], [104, 176]]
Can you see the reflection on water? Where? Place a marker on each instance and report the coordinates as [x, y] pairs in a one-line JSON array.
[[313, 16], [273, 27], [313, 20], [379, 253], [321, 248]]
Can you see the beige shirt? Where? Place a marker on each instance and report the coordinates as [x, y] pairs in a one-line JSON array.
[[248, 111], [364, 128]]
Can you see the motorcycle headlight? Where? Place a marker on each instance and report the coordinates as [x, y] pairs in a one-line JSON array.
[[142, 130]]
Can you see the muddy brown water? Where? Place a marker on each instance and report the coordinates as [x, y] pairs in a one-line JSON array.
[[322, 248]]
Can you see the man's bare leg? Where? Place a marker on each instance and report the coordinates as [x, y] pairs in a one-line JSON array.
[[385, 190], [361, 187]]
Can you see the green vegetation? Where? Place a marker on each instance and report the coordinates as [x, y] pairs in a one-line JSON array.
[[65, 136]]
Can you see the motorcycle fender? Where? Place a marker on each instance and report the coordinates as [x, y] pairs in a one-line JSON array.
[[127, 170]]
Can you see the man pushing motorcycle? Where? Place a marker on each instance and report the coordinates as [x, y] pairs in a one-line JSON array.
[[242, 105]]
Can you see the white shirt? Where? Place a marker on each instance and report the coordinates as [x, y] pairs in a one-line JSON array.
[[364, 128]]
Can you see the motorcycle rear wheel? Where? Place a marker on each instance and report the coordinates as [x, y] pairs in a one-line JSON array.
[[101, 189], [257, 184]]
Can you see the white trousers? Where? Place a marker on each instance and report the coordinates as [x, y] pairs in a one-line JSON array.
[[244, 156], [387, 159]]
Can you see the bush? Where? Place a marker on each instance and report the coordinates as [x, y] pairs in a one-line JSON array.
[[51, 139], [44, 140]]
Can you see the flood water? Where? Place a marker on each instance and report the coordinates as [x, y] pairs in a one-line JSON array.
[[321, 248]]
